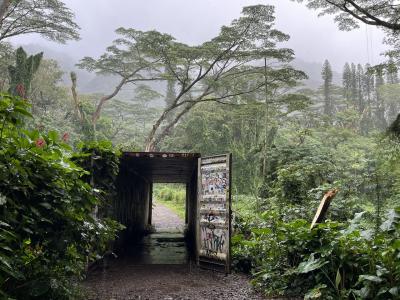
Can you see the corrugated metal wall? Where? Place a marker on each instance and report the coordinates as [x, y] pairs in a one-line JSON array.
[[132, 206], [191, 213]]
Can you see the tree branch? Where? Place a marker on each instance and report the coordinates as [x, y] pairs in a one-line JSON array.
[[104, 99], [373, 19]]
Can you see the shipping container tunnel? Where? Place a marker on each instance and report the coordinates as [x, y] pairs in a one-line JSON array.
[[133, 207]]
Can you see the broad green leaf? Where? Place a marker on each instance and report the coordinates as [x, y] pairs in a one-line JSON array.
[[371, 278], [392, 217], [395, 291], [311, 264]]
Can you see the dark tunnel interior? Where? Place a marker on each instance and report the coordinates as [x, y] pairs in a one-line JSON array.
[[133, 207]]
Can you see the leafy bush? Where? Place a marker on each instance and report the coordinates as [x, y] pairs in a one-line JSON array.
[[332, 261], [168, 192], [47, 231], [101, 161]]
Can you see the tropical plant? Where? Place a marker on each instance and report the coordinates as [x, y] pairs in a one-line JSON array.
[[47, 231], [21, 74], [332, 261]]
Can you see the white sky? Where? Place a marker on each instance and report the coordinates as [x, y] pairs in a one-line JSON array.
[[314, 39]]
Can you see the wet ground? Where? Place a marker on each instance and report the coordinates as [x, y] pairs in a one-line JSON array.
[[158, 267], [167, 282], [162, 248]]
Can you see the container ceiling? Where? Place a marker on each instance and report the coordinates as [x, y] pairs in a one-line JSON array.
[[161, 167]]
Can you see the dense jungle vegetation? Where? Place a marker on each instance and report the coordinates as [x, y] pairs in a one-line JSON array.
[[238, 93]]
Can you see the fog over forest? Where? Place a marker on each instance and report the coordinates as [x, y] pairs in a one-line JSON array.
[[200, 149], [313, 38]]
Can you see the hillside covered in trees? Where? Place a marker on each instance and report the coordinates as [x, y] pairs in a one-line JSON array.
[[294, 135]]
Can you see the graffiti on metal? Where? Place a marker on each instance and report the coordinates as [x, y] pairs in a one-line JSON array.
[[214, 208]]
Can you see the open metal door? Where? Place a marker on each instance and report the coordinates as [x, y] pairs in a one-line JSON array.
[[214, 212]]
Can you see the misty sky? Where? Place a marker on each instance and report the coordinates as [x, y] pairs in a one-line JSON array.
[[195, 21]]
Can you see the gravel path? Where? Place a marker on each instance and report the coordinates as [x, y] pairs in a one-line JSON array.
[[165, 219], [168, 282], [158, 268]]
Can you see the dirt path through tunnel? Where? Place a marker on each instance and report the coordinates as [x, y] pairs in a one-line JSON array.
[[157, 269], [166, 220], [154, 282]]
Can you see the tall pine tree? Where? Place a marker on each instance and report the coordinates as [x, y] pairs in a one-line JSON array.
[[360, 92], [354, 84], [346, 81], [327, 88]]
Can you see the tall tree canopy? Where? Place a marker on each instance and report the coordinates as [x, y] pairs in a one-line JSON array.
[[130, 59], [218, 70], [49, 18]]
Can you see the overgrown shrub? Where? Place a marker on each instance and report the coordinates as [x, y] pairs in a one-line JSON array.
[[168, 192], [332, 261], [101, 161], [47, 231]]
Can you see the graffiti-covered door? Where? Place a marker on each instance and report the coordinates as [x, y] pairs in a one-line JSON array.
[[214, 212]]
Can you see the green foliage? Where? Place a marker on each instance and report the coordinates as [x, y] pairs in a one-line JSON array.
[[286, 151], [390, 94], [337, 260], [21, 74], [6, 59], [51, 19], [172, 196], [170, 193], [332, 261], [219, 70], [101, 161], [47, 95], [126, 123], [47, 232]]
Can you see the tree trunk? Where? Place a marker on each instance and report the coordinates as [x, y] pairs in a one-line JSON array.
[[153, 140], [323, 207], [150, 147], [150, 138], [75, 102], [269, 140], [103, 100]]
